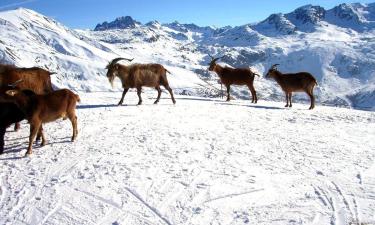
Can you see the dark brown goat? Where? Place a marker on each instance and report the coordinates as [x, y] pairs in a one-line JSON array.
[[294, 82], [9, 114], [46, 108], [137, 76], [36, 79], [234, 76]]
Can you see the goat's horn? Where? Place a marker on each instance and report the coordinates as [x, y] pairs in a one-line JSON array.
[[218, 58], [15, 83], [119, 59], [212, 58]]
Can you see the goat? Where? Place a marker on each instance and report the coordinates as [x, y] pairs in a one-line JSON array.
[[40, 109], [137, 76], [294, 82], [234, 76], [9, 114], [36, 79]]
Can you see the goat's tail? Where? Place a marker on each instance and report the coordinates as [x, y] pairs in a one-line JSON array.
[[78, 98], [52, 73], [257, 74], [316, 82], [168, 71]]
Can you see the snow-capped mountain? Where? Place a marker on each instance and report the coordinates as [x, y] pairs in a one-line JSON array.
[[336, 46], [123, 22]]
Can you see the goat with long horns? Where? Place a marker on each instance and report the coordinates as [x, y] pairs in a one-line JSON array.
[[137, 76]]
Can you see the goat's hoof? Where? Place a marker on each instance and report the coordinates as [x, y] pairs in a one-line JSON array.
[[290, 106], [174, 102], [43, 144], [119, 104], [156, 102], [286, 106], [1, 152], [28, 154]]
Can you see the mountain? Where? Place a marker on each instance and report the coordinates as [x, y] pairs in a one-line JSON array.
[[119, 23], [335, 45]]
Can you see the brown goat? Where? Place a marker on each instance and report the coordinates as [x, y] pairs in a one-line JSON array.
[[294, 82], [234, 76], [40, 109], [36, 79], [137, 76]]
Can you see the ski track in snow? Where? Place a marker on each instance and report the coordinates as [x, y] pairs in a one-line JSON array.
[[201, 161]]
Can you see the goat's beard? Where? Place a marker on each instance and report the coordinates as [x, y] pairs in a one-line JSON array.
[[111, 80]]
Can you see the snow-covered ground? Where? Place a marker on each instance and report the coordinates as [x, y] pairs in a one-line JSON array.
[[201, 161]]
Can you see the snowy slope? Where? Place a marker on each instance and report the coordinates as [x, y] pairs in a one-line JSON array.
[[335, 45], [30, 39], [312, 39], [201, 161]]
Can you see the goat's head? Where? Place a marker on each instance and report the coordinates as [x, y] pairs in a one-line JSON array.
[[113, 68], [8, 95], [213, 63], [3, 89], [272, 71]]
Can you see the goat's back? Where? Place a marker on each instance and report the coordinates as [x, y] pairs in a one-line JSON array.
[[147, 74], [35, 79], [238, 76], [52, 106], [298, 81]]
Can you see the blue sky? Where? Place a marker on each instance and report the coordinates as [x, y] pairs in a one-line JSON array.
[[87, 13]]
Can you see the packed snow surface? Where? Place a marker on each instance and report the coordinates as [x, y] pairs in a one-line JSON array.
[[201, 161]]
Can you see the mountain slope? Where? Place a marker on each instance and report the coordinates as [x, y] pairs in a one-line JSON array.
[[335, 45]]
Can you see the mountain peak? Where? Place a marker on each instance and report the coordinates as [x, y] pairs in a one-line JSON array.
[[308, 14], [123, 22]]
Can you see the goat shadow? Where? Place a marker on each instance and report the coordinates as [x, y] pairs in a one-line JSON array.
[[252, 106], [17, 148], [95, 106], [103, 106], [223, 102]]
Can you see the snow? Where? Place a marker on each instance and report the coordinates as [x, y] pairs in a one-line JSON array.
[[330, 44], [201, 161]]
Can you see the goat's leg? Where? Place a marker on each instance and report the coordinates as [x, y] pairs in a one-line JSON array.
[[169, 89], [2, 134], [73, 120], [253, 93], [41, 135], [312, 99], [123, 96], [34, 127], [290, 99], [139, 92], [159, 94], [17, 126], [228, 93], [287, 99]]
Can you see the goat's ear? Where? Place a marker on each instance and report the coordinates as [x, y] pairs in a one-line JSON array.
[[11, 92]]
